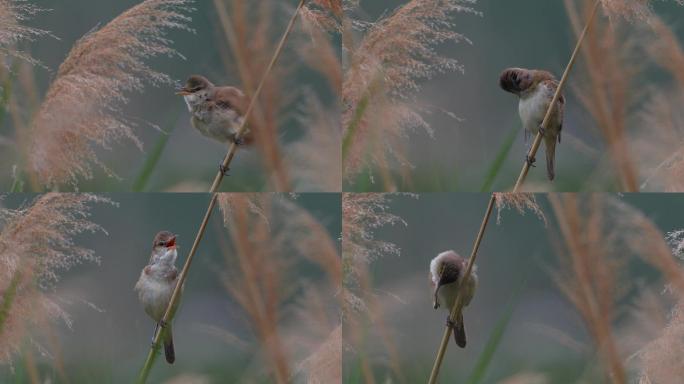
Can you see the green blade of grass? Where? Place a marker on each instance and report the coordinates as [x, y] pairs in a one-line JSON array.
[[495, 337], [152, 159], [498, 162]]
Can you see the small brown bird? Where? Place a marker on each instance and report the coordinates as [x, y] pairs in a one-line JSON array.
[[217, 112], [536, 88], [446, 271], [156, 284]]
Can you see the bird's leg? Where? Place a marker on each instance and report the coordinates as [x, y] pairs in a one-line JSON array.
[[450, 323], [162, 323], [530, 160], [542, 130], [224, 170], [156, 328], [238, 141]]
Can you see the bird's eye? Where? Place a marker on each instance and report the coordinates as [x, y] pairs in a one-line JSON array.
[[160, 244]]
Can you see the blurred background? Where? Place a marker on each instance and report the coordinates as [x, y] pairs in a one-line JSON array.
[[544, 338], [188, 161], [215, 337], [529, 34]]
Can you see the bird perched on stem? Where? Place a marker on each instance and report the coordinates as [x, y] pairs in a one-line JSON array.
[[156, 284], [536, 88], [217, 111], [446, 273]]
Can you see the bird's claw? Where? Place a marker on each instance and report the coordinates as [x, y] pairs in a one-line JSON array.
[[542, 130], [239, 141], [450, 323], [224, 170], [530, 160], [435, 305], [162, 324]]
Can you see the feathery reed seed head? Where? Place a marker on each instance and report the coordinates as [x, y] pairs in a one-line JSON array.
[[82, 108]]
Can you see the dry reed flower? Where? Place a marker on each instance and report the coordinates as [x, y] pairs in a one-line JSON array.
[[271, 237], [325, 14], [250, 28], [600, 236], [12, 32], [631, 10], [325, 363], [82, 108], [316, 157], [660, 141], [589, 272], [676, 240], [36, 244], [521, 202], [661, 361], [383, 71], [604, 88], [362, 214]]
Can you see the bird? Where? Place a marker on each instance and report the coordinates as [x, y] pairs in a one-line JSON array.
[[156, 284], [536, 88], [446, 272], [217, 111]]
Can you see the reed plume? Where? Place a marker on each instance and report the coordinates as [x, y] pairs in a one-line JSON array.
[[602, 235], [316, 157], [589, 272], [362, 215], [660, 141], [82, 108], [248, 28], [605, 88], [13, 13], [36, 245], [272, 237], [382, 75]]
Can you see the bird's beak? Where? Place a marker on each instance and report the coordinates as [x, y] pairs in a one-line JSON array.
[[171, 243], [183, 92]]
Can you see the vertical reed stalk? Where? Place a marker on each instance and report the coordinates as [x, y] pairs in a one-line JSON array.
[[456, 309], [149, 362], [556, 96], [233, 147]]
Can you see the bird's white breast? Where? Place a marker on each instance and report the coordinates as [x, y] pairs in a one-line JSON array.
[[154, 294], [532, 108]]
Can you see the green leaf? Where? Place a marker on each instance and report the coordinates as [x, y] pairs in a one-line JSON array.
[[495, 337], [498, 162], [152, 160]]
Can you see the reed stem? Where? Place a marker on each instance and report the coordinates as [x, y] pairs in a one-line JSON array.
[[538, 138], [253, 101], [457, 308]]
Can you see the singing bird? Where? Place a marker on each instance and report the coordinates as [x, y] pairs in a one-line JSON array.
[[536, 88], [446, 272], [156, 284]]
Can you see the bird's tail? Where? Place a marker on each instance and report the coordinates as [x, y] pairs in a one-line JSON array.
[[168, 345], [459, 332], [550, 144]]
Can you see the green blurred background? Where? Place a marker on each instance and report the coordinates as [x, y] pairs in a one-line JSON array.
[[190, 161], [516, 259], [110, 344], [530, 34]]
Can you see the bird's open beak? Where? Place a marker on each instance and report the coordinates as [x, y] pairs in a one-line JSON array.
[[183, 92], [171, 243]]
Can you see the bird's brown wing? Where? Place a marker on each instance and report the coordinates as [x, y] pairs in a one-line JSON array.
[[552, 85], [230, 97]]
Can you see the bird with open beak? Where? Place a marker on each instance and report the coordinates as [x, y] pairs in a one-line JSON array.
[[156, 284], [217, 111], [536, 88], [446, 273]]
